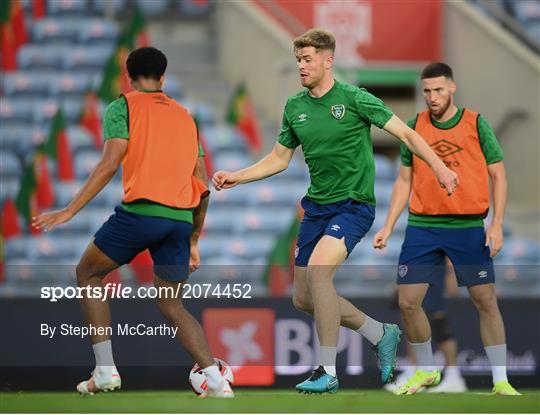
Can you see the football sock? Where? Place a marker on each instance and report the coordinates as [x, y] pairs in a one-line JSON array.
[[328, 359], [104, 357], [371, 330], [452, 372], [497, 360], [213, 376], [424, 355]]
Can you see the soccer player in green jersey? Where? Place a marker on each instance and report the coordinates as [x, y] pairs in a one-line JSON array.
[[440, 227], [331, 121]]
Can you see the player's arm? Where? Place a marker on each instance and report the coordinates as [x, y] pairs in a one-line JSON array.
[[446, 177], [113, 154], [494, 234], [398, 202], [199, 213], [273, 163]]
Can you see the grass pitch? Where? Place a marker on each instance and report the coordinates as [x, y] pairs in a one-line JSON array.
[[267, 401]]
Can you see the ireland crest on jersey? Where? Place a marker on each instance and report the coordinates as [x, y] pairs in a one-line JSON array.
[[338, 111]]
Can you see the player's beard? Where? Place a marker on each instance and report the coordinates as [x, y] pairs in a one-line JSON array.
[[443, 107]]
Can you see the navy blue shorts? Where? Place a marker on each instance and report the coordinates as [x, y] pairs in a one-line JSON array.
[[424, 249], [125, 234], [347, 219]]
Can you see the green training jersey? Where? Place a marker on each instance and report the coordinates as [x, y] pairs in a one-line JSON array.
[[492, 153], [334, 132], [116, 125]]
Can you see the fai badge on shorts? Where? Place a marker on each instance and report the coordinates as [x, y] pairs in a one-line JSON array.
[[296, 251], [402, 270], [338, 111]]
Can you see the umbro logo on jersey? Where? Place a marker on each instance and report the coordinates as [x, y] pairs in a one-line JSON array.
[[482, 274], [302, 117], [338, 111], [335, 227], [444, 148]]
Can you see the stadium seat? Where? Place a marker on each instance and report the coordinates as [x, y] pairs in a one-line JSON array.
[[523, 251], [65, 191], [66, 7], [72, 107], [213, 246], [9, 188], [223, 138], [98, 31], [265, 221], [247, 247], [87, 58], [383, 192], [297, 169], [42, 57], [526, 10], [10, 166], [231, 160], [79, 139], [20, 139], [51, 248], [384, 168], [173, 87], [153, 7], [85, 161], [17, 248], [113, 193], [80, 225], [44, 110], [221, 221], [54, 30], [238, 196], [194, 8], [205, 115], [16, 109], [33, 84], [70, 84]]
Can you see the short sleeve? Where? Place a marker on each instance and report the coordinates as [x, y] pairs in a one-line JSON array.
[[115, 120], [404, 152], [490, 146], [372, 109], [201, 150], [287, 137]]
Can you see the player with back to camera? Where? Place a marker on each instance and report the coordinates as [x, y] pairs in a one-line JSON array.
[[331, 121], [163, 209], [440, 226]]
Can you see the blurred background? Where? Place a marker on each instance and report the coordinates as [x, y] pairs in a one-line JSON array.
[[231, 64]]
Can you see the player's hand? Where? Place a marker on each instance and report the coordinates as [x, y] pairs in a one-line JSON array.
[[48, 221], [194, 258], [224, 180], [381, 238], [447, 179], [494, 239]]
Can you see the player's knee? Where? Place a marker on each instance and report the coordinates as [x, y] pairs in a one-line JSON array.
[[301, 303], [440, 328], [408, 305], [485, 301]]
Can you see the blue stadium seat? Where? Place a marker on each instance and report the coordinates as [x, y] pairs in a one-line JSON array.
[[221, 221], [384, 168], [85, 161], [231, 160], [113, 193], [9, 188], [383, 192], [248, 247], [16, 109], [297, 169], [527, 10], [523, 251], [194, 8], [108, 6], [18, 247], [66, 7], [223, 138], [72, 107], [79, 139], [205, 115], [53, 30], [87, 58], [153, 7], [266, 221], [33, 84], [44, 110], [173, 87], [21, 139], [213, 246], [268, 194], [70, 84], [41, 57], [10, 165], [80, 225], [65, 191], [99, 31], [237, 196]]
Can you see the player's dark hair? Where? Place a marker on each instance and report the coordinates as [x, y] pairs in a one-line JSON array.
[[320, 39], [147, 63], [436, 69]]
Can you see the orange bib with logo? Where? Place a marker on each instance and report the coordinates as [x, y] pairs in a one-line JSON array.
[[459, 148], [162, 152]]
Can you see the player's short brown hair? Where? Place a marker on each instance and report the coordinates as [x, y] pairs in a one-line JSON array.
[[320, 39], [436, 69]]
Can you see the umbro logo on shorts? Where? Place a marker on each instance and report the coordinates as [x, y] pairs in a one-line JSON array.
[[335, 227], [296, 250], [402, 270], [482, 274]]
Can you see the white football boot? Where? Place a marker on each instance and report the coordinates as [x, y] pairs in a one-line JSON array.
[[225, 391], [100, 382], [452, 382]]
